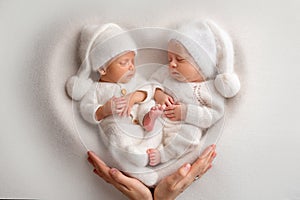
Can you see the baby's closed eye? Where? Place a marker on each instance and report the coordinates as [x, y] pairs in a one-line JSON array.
[[124, 62]]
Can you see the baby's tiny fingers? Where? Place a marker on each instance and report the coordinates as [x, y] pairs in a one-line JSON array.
[[168, 103], [168, 112], [120, 106], [171, 100], [173, 119], [120, 99]]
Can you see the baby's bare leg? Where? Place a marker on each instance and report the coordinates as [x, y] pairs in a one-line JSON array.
[[151, 116], [154, 157]]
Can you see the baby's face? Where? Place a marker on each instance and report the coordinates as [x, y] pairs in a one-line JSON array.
[[120, 70], [182, 66]]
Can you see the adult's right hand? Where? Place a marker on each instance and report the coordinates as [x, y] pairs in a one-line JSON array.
[[172, 186]]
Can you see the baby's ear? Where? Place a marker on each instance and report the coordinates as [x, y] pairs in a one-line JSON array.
[[102, 72]]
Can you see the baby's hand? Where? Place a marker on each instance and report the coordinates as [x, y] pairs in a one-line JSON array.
[[124, 104], [175, 112], [119, 105], [163, 98]]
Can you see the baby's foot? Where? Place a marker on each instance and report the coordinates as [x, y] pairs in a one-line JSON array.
[[151, 116], [154, 157]]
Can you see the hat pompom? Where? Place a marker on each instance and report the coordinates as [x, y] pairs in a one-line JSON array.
[[227, 84], [77, 87]]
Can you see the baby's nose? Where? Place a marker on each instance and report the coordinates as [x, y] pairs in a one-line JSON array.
[[172, 64], [131, 66]]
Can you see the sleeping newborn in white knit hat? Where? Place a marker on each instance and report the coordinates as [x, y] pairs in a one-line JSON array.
[[193, 87], [119, 100]]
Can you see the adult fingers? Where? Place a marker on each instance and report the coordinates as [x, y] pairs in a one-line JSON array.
[[208, 168], [102, 175], [209, 162], [100, 166], [185, 180], [107, 178], [213, 156], [123, 181], [208, 151], [202, 163], [101, 169], [94, 158], [179, 175], [91, 161], [112, 176]]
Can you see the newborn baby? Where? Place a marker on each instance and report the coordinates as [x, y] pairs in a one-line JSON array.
[[118, 101], [187, 87]]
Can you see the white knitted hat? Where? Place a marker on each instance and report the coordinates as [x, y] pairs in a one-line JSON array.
[[212, 50], [98, 45]]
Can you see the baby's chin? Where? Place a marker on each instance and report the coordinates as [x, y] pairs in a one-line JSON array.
[[126, 78], [178, 77]]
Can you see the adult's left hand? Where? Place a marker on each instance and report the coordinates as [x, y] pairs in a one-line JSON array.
[[130, 187]]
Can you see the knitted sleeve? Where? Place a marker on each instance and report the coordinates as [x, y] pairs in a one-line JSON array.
[[209, 110], [146, 87], [89, 105]]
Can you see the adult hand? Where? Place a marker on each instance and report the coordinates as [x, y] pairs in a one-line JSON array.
[[130, 187], [171, 186], [167, 189]]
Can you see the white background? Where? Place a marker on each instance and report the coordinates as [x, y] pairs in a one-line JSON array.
[[258, 155]]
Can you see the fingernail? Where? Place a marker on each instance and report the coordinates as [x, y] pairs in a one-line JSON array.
[[187, 167], [113, 171], [214, 155], [209, 148]]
